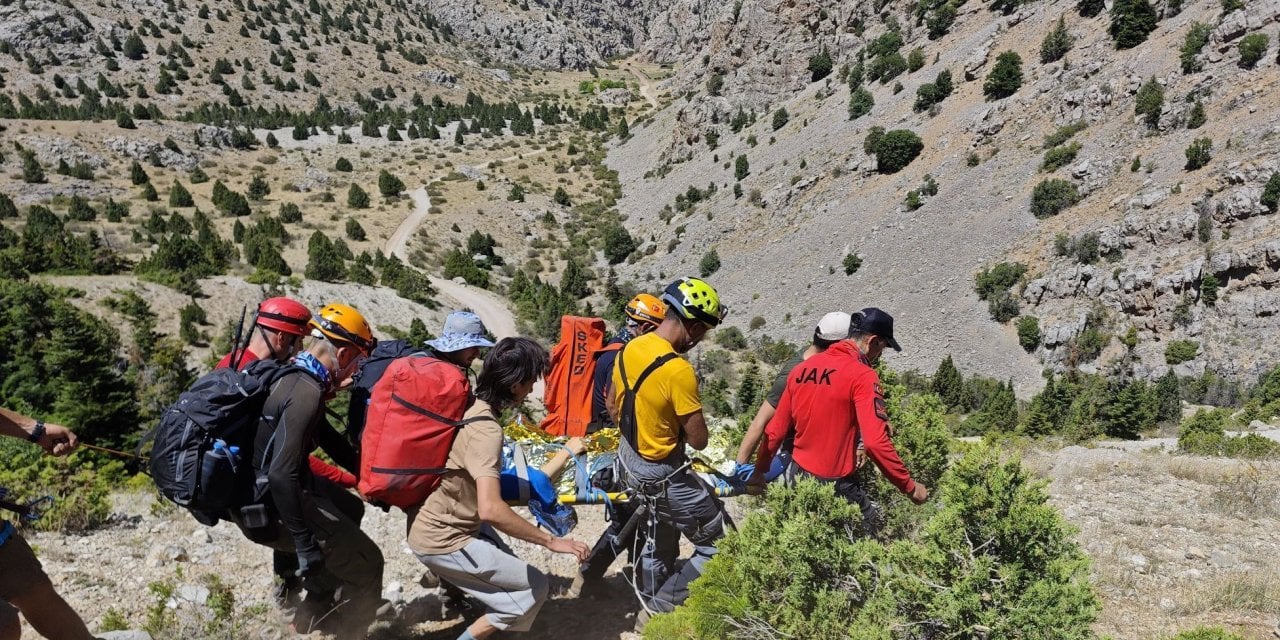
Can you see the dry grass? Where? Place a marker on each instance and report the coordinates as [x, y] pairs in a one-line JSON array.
[[1232, 591]]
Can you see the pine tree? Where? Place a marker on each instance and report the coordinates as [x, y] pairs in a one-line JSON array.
[[179, 196], [1056, 43], [561, 197], [573, 282], [1042, 416], [748, 395], [32, 172], [389, 185], [1127, 409], [138, 175], [1131, 22], [258, 187], [1001, 409], [741, 167], [1168, 399], [1005, 78], [516, 194], [354, 230], [7, 208], [357, 198], [948, 383], [323, 261], [133, 48]]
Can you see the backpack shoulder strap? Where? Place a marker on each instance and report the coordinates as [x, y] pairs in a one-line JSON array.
[[627, 423]]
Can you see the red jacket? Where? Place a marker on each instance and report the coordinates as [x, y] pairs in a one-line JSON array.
[[831, 399], [319, 467]]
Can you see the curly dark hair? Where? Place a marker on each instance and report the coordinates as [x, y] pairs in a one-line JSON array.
[[511, 362]]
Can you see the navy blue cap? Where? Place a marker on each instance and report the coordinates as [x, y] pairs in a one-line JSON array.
[[877, 323]]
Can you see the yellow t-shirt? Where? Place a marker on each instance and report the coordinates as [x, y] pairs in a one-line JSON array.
[[669, 392]]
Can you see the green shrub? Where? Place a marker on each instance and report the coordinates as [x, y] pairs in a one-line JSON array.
[[997, 278], [1131, 22], [1060, 156], [915, 60], [80, 485], [709, 264], [1199, 153], [1270, 193], [780, 118], [1252, 47], [757, 322], [1052, 196], [357, 198], [1005, 78], [389, 185], [851, 263], [1056, 43], [342, 164], [561, 197], [741, 167], [1197, 37], [1090, 8], [793, 568], [1197, 117], [179, 196], [819, 66], [354, 230], [1029, 333], [1251, 446], [1209, 289], [1180, 351], [1064, 133], [731, 338], [932, 93], [860, 103], [1150, 103], [896, 149], [1207, 633], [618, 244], [940, 20]]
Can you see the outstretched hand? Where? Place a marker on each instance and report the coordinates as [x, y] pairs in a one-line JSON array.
[[570, 546]]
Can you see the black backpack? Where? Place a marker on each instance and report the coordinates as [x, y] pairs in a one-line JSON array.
[[368, 375], [202, 455]]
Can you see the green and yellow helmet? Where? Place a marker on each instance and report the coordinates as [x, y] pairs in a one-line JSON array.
[[694, 299]]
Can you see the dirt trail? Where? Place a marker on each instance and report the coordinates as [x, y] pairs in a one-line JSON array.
[[646, 89]]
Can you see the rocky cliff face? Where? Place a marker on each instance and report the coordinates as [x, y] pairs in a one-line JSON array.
[[550, 34], [813, 195]]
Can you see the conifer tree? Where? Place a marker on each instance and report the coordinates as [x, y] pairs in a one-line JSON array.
[[948, 383]]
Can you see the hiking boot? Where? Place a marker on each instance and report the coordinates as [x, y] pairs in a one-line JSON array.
[[642, 619], [287, 594], [429, 580]]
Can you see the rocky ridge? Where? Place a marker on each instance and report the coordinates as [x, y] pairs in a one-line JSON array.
[[813, 194]]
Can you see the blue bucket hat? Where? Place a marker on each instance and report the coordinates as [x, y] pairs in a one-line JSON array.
[[462, 330]]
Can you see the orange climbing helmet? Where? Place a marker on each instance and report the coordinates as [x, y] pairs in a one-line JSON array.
[[646, 309], [343, 323]]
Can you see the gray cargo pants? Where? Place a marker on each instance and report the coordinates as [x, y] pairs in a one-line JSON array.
[[682, 505]]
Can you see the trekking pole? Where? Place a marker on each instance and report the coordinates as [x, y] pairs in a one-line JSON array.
[[237, 353], [122, 454]]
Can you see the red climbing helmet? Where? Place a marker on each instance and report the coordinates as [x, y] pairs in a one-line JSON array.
[[283, 314]]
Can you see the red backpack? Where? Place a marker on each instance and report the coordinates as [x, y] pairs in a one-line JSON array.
[[568, 387], [415, 412]]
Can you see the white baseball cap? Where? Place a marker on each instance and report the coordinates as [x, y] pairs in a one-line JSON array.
[[833, 326]]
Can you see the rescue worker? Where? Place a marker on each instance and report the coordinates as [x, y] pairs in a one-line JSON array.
[[658, 410], [832, 328], [832, 401], [24, 586], [276, 332], [644, 313], [452, 533], [318, 520]]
